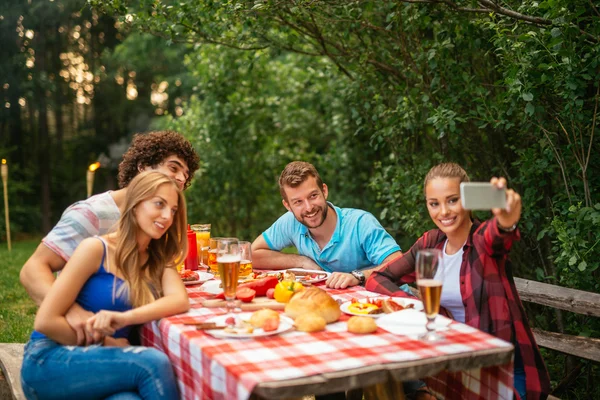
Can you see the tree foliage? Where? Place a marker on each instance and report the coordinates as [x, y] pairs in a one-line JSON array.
[[504, 88]]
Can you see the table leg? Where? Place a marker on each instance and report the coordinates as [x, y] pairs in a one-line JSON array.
[[390, 390], [354, 394], [257, 397]]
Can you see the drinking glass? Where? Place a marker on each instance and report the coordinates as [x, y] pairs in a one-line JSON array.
[[246, 259], [228, 261], [212, 256], [202, 242], [430, 275]]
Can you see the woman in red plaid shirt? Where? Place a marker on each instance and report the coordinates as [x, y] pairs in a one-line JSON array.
[[479, 288]]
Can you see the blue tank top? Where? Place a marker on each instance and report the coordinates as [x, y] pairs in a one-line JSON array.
[[97, 294]]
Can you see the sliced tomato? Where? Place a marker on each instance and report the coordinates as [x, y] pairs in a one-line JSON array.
[[271, 324], [271, 293], [245, 294]]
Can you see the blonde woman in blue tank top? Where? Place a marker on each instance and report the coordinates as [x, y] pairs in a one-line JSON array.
[[125, 278]]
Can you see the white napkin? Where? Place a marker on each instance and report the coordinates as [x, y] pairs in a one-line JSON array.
[[410, 322]]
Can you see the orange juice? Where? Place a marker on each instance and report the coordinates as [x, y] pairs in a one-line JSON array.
[[202, 239], [202, 242]]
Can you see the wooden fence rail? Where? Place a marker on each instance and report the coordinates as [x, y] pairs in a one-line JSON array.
[[577, 301]]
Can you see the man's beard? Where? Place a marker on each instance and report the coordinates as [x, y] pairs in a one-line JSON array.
[[319, 223]]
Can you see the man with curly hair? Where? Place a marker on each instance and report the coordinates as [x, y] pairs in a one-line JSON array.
[[165, 151]]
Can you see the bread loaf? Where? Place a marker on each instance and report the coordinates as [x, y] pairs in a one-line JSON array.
[[313, 300], [310, 322]]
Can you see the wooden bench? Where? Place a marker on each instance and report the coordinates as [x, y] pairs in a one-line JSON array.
[[11, 358], [572, 300]]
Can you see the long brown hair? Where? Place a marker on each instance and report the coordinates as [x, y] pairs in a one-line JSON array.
[[144, 281]]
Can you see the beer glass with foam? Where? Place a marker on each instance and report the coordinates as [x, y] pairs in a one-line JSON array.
[[430, 275], [228, 262]]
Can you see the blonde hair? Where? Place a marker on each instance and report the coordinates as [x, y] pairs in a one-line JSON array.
[[446, 170], [296, 173], [144, 282]]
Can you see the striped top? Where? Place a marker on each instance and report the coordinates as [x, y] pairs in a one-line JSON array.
[[95, 216]]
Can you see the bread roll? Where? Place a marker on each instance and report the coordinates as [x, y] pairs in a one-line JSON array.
[[313, 300], [361, 325], [310, 322], [258, 318]]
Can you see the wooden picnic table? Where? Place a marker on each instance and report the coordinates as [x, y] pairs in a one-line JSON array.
[[468, 364]]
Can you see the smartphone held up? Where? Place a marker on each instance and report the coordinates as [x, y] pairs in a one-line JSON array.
[[482, 196]]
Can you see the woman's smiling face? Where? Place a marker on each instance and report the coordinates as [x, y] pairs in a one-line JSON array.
[[443, 203], [155, 215]]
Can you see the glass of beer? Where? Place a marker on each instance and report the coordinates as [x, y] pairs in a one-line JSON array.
[[246, 255], [228, 261], [202, 242], [212, 256], [430, 275]]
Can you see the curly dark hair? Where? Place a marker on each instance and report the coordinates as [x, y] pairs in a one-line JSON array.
[[152, 148]]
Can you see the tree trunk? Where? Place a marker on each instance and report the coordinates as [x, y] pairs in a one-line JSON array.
[[43, 136]]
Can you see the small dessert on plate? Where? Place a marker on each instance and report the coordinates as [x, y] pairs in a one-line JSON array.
[[361, 325], [266, 319]]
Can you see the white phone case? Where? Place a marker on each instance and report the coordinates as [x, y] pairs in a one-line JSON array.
[[481, 196]]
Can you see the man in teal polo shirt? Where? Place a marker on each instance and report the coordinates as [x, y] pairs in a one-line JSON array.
[[348, 242]]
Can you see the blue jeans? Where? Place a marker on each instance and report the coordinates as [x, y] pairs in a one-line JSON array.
[[53, 371], [519, 374]]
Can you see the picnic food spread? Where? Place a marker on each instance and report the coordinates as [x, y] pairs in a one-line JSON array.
[[371, 306], [188, 276], [313, 300]]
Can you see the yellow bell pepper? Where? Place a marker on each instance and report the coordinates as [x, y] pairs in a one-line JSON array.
[[286, 289]]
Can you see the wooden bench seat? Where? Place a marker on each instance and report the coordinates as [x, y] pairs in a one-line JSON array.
[[11, 358]]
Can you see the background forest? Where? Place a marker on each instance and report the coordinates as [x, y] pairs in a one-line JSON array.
[[372, 92]]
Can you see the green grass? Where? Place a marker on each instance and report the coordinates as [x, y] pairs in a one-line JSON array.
[[17, 310]]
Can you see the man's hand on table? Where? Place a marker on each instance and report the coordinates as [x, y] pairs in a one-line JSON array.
[[341, 280]]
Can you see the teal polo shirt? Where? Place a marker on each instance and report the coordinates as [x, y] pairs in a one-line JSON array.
[[358, 242]]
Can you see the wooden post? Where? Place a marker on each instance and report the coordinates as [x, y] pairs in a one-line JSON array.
[[4, 172]]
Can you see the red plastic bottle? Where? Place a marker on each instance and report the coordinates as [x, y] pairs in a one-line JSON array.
[[191, 261]]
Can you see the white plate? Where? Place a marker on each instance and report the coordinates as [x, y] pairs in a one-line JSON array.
[[400, 300], [212, 286], [285, 324], [202, 277], [410, 323], [324, 274]]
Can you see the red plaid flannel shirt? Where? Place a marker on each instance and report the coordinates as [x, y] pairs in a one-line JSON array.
[[491, 301]]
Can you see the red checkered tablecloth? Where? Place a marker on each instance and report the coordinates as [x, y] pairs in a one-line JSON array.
[[210, 368]]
